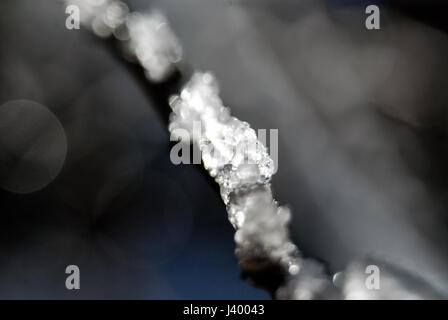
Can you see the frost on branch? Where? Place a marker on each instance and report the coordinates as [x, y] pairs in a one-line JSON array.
[[230, 149], [241, 166], [144, 37]]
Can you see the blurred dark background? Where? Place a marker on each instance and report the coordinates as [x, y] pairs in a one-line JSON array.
[[85, 174]]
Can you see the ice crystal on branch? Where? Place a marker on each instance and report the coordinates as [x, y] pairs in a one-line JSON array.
[[230, 149], [242, 167], [103, 17], [153, 44], [145, 37]]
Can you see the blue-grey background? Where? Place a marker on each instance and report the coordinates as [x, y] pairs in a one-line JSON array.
[[362, 146]]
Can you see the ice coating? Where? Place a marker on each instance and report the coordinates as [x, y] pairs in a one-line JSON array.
[[231, 151]]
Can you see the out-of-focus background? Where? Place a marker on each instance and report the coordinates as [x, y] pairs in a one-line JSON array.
[[85, 174]]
